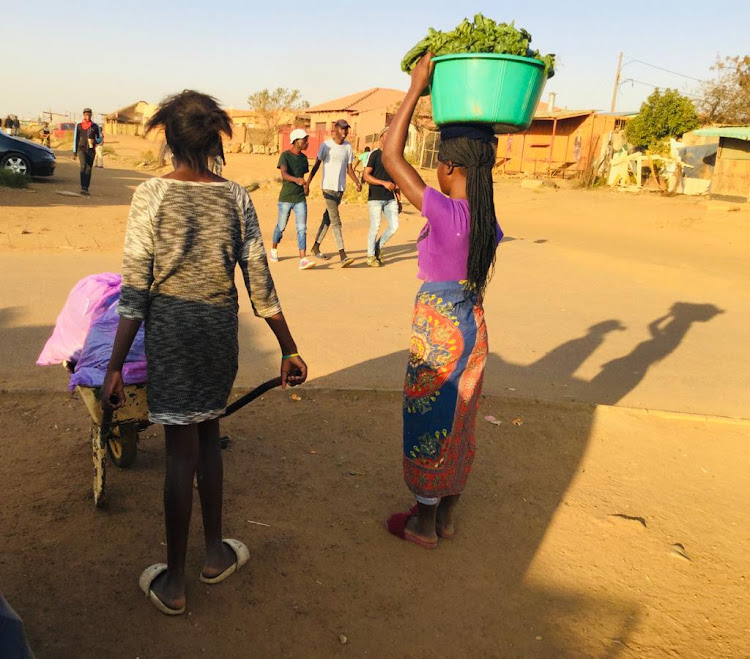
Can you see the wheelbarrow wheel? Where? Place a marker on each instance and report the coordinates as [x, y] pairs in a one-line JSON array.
[[122, 445]]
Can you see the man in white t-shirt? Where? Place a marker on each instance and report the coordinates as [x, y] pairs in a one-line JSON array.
[[337, 156]]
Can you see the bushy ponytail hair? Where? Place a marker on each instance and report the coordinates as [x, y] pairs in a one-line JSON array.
[[193, 124], [476, 154]]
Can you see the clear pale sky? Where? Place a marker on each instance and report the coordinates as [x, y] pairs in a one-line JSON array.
[[107, 55]]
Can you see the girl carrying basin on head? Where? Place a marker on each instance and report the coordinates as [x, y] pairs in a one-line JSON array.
[[448, 351]]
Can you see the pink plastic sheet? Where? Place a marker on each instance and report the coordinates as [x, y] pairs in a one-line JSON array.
[[85, 333]]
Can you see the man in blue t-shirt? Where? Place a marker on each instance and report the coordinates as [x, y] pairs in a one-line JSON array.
[[293, 167]]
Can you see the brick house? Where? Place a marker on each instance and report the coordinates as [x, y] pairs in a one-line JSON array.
[[368, 112], [558, 142], [247, 128], [129, 120]]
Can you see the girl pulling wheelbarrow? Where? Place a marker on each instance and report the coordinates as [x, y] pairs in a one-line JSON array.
[[186, 233]]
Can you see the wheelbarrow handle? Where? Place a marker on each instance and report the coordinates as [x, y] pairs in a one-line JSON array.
[[252, 395]]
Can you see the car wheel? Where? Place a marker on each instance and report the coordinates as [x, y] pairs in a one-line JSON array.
[[16, 163]]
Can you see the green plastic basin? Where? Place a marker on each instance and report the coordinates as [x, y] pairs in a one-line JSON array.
[[486, 88]]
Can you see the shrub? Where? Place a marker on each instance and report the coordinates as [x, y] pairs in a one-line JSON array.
[[351, 196], [148, 158], [29, 132], [10, 179]]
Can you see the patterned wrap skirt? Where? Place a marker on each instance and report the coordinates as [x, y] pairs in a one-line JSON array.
[[443, 384]]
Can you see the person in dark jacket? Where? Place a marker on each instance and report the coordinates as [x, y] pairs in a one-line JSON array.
[[86, 136]]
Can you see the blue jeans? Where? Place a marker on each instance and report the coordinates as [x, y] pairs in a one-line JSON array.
[[389, 208], [300, 220]]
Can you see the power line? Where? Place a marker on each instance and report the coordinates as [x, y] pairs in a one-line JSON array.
[[648, 84], [640, 82], [661, 68], [619, 84]]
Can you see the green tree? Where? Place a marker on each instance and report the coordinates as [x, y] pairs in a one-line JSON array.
[[726, 99], [665, 114], [271, 109]]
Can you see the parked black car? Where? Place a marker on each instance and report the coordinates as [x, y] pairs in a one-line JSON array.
[[25, 157]]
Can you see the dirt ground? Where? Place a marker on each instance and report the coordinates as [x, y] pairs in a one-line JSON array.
[[609, 520], [542, 565]]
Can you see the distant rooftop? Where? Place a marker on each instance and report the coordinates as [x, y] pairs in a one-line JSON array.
[[562, 114], [630, 113], [369, 99], [734, 132]]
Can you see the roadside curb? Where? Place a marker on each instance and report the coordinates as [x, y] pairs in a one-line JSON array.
[[643, 411], [681, 416]]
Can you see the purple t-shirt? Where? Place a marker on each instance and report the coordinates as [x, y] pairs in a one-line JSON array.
[[443, 244]]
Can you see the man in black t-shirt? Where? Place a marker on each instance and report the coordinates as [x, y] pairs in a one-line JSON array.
[[384, 198], [293, 166]]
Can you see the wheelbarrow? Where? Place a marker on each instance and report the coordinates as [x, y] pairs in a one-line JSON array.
[[115, 433]]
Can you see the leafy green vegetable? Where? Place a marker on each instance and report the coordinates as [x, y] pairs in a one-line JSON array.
[[482, 35]]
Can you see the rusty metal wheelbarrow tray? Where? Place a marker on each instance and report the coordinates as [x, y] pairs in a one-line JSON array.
[[135, 409]]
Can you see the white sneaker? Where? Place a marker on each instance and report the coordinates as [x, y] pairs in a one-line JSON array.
[[306, 264], [273, 255]]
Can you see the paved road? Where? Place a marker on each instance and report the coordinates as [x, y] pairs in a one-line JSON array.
[[597, 296]]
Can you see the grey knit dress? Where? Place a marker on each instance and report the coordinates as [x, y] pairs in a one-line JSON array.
[[182, 245]]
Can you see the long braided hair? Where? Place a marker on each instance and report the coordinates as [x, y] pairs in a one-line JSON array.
[[475, 152]]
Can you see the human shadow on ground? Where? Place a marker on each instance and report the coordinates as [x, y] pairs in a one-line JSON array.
[[622, 375], [515, 491], [552, 376]]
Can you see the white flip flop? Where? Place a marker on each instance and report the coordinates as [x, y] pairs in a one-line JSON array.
[[147, 578], [243, 556]]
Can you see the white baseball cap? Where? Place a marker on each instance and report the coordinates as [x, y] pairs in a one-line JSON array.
[[297, 134]]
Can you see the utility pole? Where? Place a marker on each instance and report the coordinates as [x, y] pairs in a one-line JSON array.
[[617, 83]]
